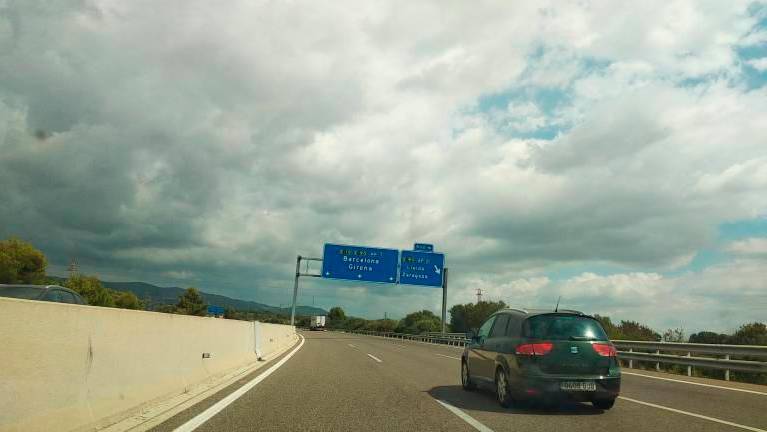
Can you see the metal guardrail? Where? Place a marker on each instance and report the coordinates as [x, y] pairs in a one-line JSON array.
[[705, 362], [697, 348], [626, 351], [429, 338], [461, 336], [631, 351]]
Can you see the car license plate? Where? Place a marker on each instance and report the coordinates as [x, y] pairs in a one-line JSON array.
[[578, 386]]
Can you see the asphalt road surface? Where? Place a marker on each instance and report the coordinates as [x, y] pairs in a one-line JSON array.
[[345, 382]]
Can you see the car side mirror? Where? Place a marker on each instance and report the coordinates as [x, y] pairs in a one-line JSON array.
[[473, 335]]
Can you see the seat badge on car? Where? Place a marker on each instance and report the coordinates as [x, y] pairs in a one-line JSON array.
[[574, 349]]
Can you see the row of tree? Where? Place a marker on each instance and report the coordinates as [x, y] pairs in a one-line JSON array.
[[414, 323], [94, 292], [748, 334], [22, 263]]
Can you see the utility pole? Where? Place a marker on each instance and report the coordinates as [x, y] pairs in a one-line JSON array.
[[444, 301], [295, 291], [73, 268], [479, 295]]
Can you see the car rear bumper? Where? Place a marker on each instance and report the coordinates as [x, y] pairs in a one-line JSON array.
[[546, 387]]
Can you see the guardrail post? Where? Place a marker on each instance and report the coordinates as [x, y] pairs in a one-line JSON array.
[[657, 364], [727, 371], [631, 362], [689, 368]]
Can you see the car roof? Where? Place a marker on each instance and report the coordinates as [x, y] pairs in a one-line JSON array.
[[526, 312]]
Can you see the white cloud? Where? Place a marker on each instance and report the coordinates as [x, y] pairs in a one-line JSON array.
[[226, 140], [759, 64], [719, 298], [756, 246], [179, 275]]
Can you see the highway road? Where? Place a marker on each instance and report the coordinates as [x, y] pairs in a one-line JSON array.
[[343, 382]]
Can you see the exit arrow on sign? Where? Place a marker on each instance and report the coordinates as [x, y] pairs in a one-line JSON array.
[[436, 269]]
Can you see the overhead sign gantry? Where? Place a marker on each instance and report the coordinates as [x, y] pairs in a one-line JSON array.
[[421, 266]]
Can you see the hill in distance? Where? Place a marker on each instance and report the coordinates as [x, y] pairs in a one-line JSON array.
[[156, 296]]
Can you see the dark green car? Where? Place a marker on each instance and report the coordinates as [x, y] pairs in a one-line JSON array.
[[543, 355]]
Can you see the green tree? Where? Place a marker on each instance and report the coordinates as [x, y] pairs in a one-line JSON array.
[[382, 325], [465, 317], [632, 330], [674, 335], [750, 334], [191, 303], [231, 313], [21, 263], [336, 314], [420, 322], [613, 331], [353, 323], [708, 337], [91, 289], [167, 308], [127, 300]]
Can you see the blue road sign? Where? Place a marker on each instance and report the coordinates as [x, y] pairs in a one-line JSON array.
[[421, 268], [359, 263], [215, 310], [424, 247]]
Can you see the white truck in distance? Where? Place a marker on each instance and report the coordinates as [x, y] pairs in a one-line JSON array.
[[317, 323]]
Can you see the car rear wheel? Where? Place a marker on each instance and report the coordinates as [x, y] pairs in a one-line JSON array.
[[604, 404], [502, 388], [466, 381]]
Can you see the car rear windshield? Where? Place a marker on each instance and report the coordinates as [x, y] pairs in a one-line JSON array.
[[28, 293], [563, 327]]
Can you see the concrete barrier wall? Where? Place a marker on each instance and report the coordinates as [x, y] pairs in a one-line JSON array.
[[273, 338], [71, 367]]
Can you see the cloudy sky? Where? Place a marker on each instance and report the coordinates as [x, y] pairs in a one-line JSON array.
[[613, 153]]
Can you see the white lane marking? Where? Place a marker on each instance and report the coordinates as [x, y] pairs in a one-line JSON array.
[[465, 417], [216, 408], [450, 357], [693, 414], [375, 358], [353, 346], [695, 383]]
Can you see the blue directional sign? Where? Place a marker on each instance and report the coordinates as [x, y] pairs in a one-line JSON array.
[[425, 247], [216, 310], [360, 263], [421, 268]]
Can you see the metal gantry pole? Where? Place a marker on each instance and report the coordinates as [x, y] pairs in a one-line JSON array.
[[295, 291], [444, 300]]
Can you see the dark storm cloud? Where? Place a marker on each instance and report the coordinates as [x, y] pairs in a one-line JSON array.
[[183, 142]]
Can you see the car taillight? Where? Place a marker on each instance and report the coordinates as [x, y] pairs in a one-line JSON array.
[[605, 350], [540, 349]]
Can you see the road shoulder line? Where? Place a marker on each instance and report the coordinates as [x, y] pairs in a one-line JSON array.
[[700, 416], [694, 383], [447, 356], [465, 417], [206, 415]]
